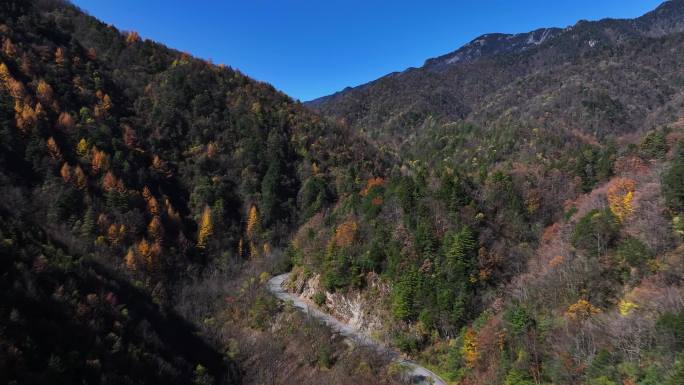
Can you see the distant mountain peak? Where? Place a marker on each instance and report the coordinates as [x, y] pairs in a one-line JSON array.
[[493, 44]]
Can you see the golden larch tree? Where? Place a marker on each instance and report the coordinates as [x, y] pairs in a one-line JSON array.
[[26, 116], [44, 92], [252, 222], [206, 227], [469, 348], [132, 37], [581, 310], [620, 198], [82, 148]]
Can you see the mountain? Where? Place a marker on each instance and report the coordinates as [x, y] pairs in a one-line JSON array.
[[130, 174], [529, 230], [511, 213], [590, 71]]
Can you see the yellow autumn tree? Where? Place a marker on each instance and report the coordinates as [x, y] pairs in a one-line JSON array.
[[620, 198], [26, 116], [206, 227], [252, 222], [469, 348], [82, 148], [132, 37], [44, 92], [581, 310]]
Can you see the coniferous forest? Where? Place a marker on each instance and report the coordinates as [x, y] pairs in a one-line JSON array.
[[510, 213]]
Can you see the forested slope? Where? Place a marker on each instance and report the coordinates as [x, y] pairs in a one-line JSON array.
[[129, 173]]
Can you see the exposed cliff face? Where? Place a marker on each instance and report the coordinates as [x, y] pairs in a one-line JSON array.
[[359, 309]]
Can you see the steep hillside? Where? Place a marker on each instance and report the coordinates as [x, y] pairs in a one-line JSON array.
[[530, 231], [515, 218], [130, 174]]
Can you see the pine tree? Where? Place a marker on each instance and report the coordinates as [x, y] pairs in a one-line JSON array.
[[88, 225]]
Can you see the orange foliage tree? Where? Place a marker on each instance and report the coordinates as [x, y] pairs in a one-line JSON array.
[[65, 172], [53, 149], [155, 229], [373, 182], [80, 179], [111, 182], [345, 233], [65, 121], [99, 160]]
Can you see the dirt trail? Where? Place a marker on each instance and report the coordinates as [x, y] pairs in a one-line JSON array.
[[418, 374]]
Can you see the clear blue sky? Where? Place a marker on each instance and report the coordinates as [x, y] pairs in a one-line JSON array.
[[311, 48]]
